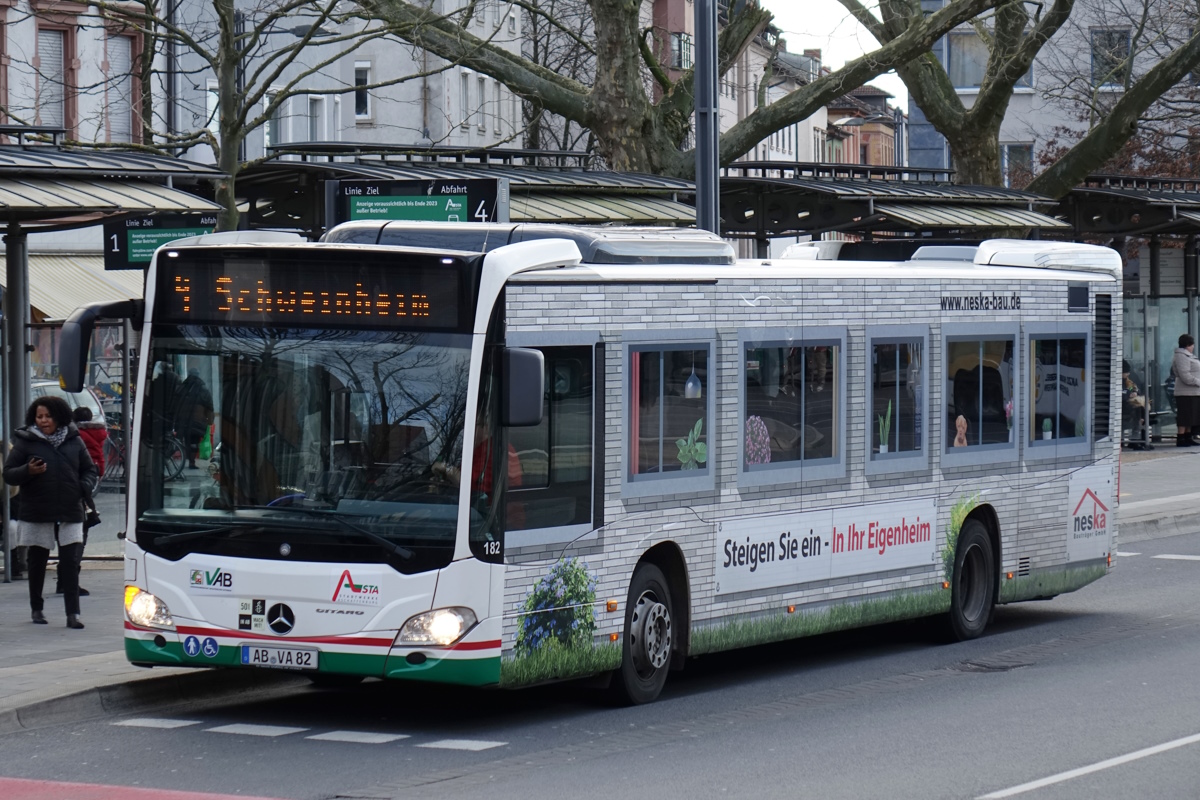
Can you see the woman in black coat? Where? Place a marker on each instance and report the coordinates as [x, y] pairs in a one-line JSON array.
[[50, 462]]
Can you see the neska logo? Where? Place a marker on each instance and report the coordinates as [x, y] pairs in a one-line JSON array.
[[356, 590], [1089, 521]]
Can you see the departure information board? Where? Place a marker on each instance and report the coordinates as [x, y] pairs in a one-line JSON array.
[[130, 243], [474, 200]]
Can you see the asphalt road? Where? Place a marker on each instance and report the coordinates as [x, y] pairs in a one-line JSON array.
[[886, 712]]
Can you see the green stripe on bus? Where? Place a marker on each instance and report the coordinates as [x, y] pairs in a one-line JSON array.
[[462, 671]]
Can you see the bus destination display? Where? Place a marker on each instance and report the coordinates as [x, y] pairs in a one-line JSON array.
[[285, 292]]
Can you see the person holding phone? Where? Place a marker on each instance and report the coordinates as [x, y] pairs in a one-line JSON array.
[[50, 463]]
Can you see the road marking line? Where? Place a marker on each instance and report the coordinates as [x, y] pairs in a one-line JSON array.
[[1099, 765], [153, 722], [358, 737], [256, 730], [1171, 557], [1127, 555], [462, 744], [1178, 498]]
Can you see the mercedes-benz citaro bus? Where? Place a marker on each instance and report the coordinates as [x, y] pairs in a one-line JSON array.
[[504, 454]]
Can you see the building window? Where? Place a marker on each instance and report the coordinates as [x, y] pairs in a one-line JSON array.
[[513, 26], [362, 95], [1058, 390], [212, 109], [481, 83], [681, 51], [52, 77], [120, 94], [499, 106], [273, 135], [1110, 56], [967, 58], [1016, 164], [551, 482], [464, 99], [316, 118], [979, 392]]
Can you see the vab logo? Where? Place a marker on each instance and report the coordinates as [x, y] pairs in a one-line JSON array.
[[219, 579], [351, 592], [1089, 521]]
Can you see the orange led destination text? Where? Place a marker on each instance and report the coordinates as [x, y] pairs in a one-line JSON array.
[[358, 302]]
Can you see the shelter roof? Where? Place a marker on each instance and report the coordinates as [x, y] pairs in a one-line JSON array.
[[1123, 205], [49, 186], [769, 199], [544, 186]]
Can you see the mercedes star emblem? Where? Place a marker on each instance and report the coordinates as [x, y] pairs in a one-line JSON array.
[[285, 549], [280, 618]]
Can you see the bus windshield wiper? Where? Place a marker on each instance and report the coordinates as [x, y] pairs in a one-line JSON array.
[[347, 525], [183, 536]]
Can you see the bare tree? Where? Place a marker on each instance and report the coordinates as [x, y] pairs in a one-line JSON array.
[[641, 128], [241, 62], [1113, 93], [1135, 109]]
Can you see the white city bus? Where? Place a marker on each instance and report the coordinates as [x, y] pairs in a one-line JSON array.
[[508, 454]]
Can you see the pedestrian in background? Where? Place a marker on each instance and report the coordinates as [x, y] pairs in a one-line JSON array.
[[1187, 390], [51, 465], [94, 433], [193, 413]]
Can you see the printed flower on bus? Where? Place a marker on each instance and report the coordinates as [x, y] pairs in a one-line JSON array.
[[559, 609], [758, 441]]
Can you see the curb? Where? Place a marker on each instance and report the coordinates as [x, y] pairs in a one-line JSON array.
[[145, 694], [1140, 530]]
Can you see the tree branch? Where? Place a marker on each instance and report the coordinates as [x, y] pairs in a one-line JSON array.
[[1120, 124]]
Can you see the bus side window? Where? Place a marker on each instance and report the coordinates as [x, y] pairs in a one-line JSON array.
[[550, 464]]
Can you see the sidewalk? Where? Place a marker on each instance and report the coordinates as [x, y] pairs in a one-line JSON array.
[[50, 673]]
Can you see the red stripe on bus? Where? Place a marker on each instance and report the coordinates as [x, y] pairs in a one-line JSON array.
[[21, 789], [226, 634], [492, 645]]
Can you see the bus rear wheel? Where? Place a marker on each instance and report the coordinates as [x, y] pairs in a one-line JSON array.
[[973, 582], [649, 638]]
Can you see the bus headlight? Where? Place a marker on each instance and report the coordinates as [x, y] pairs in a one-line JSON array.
[[442, 626], [146, 610]]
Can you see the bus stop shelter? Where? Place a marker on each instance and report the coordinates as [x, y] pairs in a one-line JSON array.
[[45, 187], [287, 191], [764, 200]]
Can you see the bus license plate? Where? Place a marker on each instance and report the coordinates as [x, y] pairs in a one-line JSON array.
[[258, 655]]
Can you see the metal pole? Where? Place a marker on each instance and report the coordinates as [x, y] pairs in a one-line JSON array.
[[708, 213], [4, 508], [126, 403], [15, 319]]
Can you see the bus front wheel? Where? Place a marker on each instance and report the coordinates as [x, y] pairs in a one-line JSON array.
[[973, 582], [648, 640]]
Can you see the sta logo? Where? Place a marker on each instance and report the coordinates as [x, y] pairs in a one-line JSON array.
[[216, 579], [352, 592]]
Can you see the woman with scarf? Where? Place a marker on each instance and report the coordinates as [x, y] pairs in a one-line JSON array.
[[51, 465]]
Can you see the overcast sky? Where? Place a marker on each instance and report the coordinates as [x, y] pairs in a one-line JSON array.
[[825, 24]]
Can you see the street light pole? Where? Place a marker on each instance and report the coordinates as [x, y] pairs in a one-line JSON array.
[[708, 211]]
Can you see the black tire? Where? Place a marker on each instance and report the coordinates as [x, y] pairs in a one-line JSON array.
[[648, 641], [973, 583]]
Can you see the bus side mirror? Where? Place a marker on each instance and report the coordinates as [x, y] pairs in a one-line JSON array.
[[524, 375], [76, 337]]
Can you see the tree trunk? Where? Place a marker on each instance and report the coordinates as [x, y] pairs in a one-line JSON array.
[[975, 151]]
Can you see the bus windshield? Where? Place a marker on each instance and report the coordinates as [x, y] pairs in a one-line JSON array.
[[302, 444]]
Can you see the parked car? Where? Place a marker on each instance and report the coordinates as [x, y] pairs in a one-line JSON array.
[[48, 387]]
